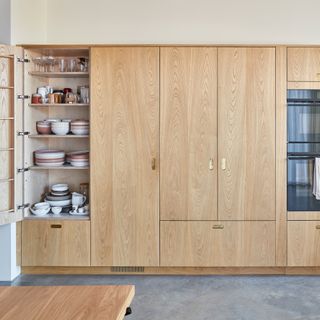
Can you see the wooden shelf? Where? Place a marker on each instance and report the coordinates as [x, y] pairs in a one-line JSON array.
[[10, 118], [6, 149], [64, 167], [59, 105], [46, 136], [59, 74], [6, 87], [63, 216]]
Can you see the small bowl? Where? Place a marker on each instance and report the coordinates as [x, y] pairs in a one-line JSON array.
[[41, 205], [60, 187], [56, 210], [60, 131]]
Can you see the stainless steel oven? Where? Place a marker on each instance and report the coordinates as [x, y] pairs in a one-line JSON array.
[[303, 145]]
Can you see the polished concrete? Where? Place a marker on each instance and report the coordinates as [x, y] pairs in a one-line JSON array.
[[208, 297]]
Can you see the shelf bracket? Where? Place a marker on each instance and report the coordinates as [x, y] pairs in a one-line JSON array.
[[22, 97], [23, 60], [23, 133], [23, 206], [20, 170]]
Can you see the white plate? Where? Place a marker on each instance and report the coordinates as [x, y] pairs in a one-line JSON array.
[[55, 164], [60, 187], [80, 164], [61, 203], [85, 213]]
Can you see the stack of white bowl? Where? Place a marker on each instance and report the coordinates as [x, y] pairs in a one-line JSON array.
[[60, 128], [80, 127], [78, 158], [49, 158], [59, 196]]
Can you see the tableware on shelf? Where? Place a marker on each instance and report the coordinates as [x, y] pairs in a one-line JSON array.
[[62, 64], [49, 158], [43, 127], [59, 193], [84, 94], [56, 210], [60, 128], [79, 163], [77, 213], [79, 127], [78, 199], [40, 208], [36, 98], [59, 203], [60, 187], [41, 205], [53, 197], [70, 98]]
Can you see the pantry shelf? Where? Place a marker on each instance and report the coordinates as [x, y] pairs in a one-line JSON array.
[[57, 217], [54, 136], [65, 167], [60, 105], [59, 74]]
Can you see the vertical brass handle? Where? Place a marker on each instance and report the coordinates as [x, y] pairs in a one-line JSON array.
[[211, 164], [223, 163], [153, 164]]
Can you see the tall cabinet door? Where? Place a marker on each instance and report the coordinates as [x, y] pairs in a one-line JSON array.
[[188, 138], [125, 156], [246, 130]]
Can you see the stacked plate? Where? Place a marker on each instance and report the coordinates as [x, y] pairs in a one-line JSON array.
[[59, 196], [80, 127], [49, 158], [78, 158]]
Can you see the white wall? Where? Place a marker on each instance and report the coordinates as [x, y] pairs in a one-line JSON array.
[[5, 31], [183, 21], [28, 21]]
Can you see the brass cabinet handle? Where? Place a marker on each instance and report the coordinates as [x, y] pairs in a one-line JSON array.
[[223, 163], [153, 164], [218, 226], [211, 164], [56, 226], [318, 226]]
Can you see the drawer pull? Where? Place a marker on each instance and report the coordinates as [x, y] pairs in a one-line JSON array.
[[211, 164], [223, 163], [56, 226], [153, 164], [218, 226], [318, 226]]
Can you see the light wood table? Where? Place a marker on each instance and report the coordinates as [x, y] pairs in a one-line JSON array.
[[65, 302]]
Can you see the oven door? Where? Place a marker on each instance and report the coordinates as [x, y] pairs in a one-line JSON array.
[[300, 184]]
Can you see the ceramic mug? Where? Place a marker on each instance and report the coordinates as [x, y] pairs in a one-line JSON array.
[[78, 199]]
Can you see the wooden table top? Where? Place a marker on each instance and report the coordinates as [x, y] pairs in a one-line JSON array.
[[65, 302]]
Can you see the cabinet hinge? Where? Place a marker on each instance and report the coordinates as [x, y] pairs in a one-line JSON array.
[[23, 133], [22, 96], [23, 206], [20, 170], [22, 60]]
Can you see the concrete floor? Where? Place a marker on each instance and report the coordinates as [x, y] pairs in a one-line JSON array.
[[207, 297]]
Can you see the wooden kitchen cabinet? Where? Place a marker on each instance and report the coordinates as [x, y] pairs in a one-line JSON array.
[[217, 243], [246, 133], [303, 64], [50, 243], [188, 138], [125, 147], [303, 243]]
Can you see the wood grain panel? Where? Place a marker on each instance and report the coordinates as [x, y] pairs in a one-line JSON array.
[[246, 130], [281, 156], [303, 243], [199, 244], [6, 164], [188, 134], [6, 72], [55, 243], [124, 140], [303, 64], [6, 104], [65, 302], [7, 196]]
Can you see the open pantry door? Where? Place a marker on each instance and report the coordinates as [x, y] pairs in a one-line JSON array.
[[11, 134]]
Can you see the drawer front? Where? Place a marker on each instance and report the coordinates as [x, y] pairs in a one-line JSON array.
[[303, 64], [223, 244], [303, 243], [55, 243]]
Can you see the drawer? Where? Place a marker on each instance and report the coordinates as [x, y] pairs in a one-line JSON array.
[[223, 244], [303, 64], [55, 243], [303, 243]]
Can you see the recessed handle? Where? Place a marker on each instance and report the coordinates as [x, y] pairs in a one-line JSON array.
[[218, 226], [211, 164], [223, 163], [56, 226], [153, 164], [318, 226]]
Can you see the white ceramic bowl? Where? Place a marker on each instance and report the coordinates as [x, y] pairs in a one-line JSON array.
[[56, 210], [41, 205], [53, 164], [61, 203], [60, 187], [40, 212], [80, 131], [80, 164], [60, 131]]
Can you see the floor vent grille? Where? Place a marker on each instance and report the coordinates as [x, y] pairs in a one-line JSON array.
[[127, 269]]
